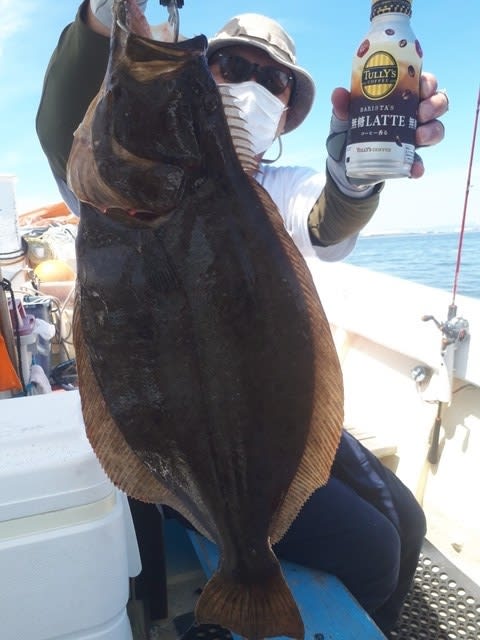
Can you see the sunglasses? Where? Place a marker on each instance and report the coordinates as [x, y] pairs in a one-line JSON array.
[[234, 68]]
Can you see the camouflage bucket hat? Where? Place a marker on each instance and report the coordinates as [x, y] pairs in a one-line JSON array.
[[264, 33]]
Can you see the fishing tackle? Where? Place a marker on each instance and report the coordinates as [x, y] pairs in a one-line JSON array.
[[454, 331], [173, 16]]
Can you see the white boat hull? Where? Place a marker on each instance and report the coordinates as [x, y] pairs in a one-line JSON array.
[[377, 325]]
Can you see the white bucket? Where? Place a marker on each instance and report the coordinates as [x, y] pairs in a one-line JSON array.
[[10, 239]]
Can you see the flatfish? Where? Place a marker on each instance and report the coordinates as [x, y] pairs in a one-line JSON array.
[[208, 376]]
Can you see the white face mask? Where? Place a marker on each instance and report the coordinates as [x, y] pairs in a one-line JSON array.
[[261, 110]]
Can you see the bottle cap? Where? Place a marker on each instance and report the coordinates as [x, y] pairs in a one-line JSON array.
[[380, 7]]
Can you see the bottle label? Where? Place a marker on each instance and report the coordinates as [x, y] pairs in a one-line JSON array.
[[379, 75], [383, 109], [385, 104]]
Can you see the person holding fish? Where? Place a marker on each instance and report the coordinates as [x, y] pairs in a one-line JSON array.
[[363, 525]]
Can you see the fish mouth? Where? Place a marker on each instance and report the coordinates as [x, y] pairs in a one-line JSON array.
[[136, 218]]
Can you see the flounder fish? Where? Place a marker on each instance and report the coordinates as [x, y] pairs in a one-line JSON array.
[[208, 376]]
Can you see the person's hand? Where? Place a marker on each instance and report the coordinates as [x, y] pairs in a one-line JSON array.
[[430, 130], [433, 104], [101, 10]]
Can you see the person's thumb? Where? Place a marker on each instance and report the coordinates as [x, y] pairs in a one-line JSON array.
[[341, 103]]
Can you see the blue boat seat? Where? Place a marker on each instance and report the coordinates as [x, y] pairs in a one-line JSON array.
[[328, 609], [381, 445]]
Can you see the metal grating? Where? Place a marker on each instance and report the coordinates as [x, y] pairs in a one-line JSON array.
[[443, 604]]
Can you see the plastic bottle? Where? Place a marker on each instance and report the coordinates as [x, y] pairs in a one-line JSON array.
[[384, 96]]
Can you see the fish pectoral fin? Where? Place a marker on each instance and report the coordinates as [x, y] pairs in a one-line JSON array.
[[262, 609]]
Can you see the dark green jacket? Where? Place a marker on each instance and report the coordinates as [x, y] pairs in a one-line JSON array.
[[74, 76]]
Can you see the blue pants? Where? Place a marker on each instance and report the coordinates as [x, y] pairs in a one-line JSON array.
[[365, 527]]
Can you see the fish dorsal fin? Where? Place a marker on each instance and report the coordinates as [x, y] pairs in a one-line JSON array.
[[241, 138], [327, 409]]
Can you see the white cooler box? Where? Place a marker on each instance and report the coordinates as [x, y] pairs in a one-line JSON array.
[[67, 542]]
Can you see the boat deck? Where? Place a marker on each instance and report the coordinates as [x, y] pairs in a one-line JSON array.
[[443, 604]]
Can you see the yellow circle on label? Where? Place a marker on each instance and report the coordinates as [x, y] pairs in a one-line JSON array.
[[379, 75]]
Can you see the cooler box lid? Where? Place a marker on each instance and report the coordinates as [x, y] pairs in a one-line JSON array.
[[46, 461]]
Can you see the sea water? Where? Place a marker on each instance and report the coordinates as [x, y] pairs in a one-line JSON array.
[[425, 258]]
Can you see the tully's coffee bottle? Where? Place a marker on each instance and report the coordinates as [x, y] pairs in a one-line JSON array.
[[384, 96]]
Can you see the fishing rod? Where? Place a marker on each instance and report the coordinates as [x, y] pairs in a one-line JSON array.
[[455, 329], [465, 204]]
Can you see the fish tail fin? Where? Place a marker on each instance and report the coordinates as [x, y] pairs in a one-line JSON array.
[[260, 610]]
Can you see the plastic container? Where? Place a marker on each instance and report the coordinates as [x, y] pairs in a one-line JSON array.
[[10, 239], [23, 325], [40, 308], [67, 542]]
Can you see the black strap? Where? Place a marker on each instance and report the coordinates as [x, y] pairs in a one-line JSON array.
[[165, 3]]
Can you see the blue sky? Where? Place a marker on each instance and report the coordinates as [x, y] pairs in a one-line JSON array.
[[326, 35]]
